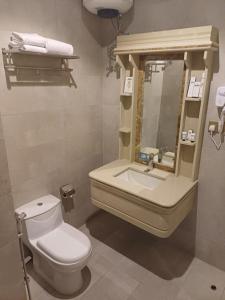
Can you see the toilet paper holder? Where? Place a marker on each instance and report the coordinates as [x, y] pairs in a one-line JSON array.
[[67, 191]]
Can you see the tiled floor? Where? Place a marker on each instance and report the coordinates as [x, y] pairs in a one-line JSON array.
[[129, 264]]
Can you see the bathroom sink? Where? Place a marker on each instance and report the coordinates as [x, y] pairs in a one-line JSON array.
[[139, 178]]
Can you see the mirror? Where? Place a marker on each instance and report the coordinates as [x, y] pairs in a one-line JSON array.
[[159, 112]]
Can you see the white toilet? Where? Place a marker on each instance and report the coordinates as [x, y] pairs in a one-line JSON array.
[[59, 250]]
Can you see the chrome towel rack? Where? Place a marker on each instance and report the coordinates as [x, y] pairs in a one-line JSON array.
[[18, 64], [9, 64]]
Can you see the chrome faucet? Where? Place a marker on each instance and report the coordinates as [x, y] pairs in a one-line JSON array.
[[151, 161]]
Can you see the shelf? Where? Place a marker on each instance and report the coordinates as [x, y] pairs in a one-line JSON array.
[[125, 130], [13, 68], [11, 51], [187, 143], [193, 99], [126, 95]]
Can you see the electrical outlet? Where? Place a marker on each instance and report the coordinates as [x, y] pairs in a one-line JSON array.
[[215, 124]]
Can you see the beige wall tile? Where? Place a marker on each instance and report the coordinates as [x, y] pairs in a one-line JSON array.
[[1, 131], [111, 114], [7, 220], [4, 175], [11, 269], [53, 133], [11, 278]]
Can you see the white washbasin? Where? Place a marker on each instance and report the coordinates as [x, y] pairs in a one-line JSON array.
[[140, 179]]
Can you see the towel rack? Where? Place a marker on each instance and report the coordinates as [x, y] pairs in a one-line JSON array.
[[10, 66], [12, 51]]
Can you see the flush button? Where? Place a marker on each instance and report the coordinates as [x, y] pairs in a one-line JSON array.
[[39, 203]]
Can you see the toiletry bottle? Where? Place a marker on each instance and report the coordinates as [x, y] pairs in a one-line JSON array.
[[193, 137], [190, 131], [184, 135], [160, 155]]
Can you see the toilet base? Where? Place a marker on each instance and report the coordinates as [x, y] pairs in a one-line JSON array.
[[66, 283]]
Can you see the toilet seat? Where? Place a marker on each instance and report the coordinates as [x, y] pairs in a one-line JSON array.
[[65, 244]]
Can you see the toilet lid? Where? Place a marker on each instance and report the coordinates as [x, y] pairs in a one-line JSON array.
[[65, 244]]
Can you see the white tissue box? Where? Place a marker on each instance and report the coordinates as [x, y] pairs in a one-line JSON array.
[[196, 90], [128, 86], [191, 87]]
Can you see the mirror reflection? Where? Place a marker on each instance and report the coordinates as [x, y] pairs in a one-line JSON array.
[[162, 87]]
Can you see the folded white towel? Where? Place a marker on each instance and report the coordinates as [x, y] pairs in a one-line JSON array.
[[32, 39], [26, 42], [14, 45], [27, 48], [170, 154], [57, 47]]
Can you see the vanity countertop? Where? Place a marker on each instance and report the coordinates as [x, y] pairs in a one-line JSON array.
[[170, 191]]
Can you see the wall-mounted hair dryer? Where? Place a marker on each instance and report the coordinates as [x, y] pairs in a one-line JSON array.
[[220, 104], [220, 96], [221, 121]]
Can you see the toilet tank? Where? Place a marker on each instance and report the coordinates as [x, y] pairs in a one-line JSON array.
[[42, 216]]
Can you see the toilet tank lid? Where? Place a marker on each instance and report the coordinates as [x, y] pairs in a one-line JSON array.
[[38, 206]]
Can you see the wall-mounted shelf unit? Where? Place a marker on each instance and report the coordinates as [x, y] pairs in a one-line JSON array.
[[18, 52], [129, 67], [11, 67], [10, 54], [197, 45], [125, 130], [188, 143], [194, 112], [125, 95], [193, 99], [30, 68]]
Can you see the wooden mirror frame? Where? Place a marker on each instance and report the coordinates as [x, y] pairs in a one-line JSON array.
[[140, 99]]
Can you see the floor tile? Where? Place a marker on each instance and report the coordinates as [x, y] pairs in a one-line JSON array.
[[130, 264], [133, 269], [97, 267], [35, 288], [109, 253], [100, 264], [155, 288], [199, 282], [113, 286]]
